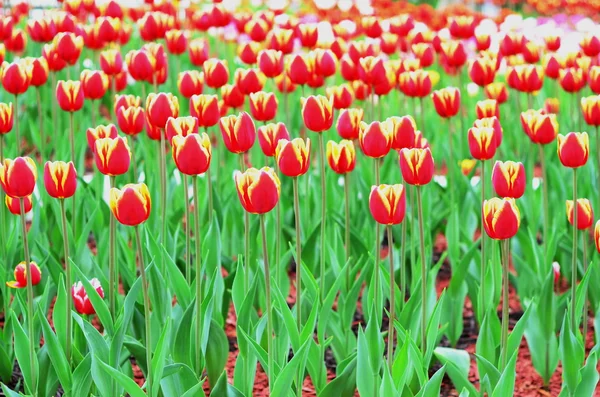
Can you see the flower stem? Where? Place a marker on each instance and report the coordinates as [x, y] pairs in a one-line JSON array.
[[586, 303], [423, 274], [163, 197], [41, 120], [113, 91], [246, 238], [347, 227], [278, 237], [482, 238], [112, 272], [54, 106], [186, 257], [198, 251], [298, 275], [377, 246], [574, 255], [422, 109], [146, 313], [271, 335], [69, 305], [32, 343], [133, 161], [16, 124], [3, 232], [323, 215], [505, 281], [72, 144], [390, 354], [545, 199], [210, 188]]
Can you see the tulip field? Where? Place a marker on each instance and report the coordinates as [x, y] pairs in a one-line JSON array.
[[299, 198]]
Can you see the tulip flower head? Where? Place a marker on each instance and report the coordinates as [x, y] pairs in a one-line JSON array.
[[131, 205], [446, 101], [402, 130], [263, 105], [249, 80], [20, 274], [94, 84], [317, 113], [198, 52], [508, 179], [216, 72], [39, 71], [491, 122], [571, 79], [388, 204], [60, 179], [590, 107], [192, 153], [585, 213], [102, 131], [482, 142], [182, 126], [69, 95], [269, 136], [348, 123], [258, 190], [270, 62], [416, 165], [467, 165], [238, 131], [541, 128], [552, 105], [6, 118], [415, 84], [190, 83], [482, 71], [487, 108], [342, 95], [81, 301], [18, 176], [205, 108], [14, 205], [496, 91], [161, 106], [573, 149], [111, 62], [454, 53], [341, 156], [597, 236], [501, 218], [16, 77], [112, 155], [375, 139], [131, 120]]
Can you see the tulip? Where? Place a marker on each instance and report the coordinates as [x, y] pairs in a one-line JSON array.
[[317, 113], [111, 62], [424, 53], [249, 80], [552, 42], [112, 155], [402, 130], [402, 24], [482, 71], [126, 101], [270, 62], [14, 205], [293, 157], [487, 108], [482, 143], [446, 101], [190, 83], [39, 71], [16, 77], [21, 277], [361, 90], [342, 156], [257, 29], [69, 95], [198, 52], [308, 34], [371, 70], [483, 41], [375, 139], [60, 179], [94, 85], [551, 105], [141, 65], [573, 149], [388, 204], [415, 84], [269, 136], [585, 213], [239, 132], [541, 128], [590, 45], [348, 123], [102, 131], [501, 218], [281, 40], [18, 176], [571, 79], [325, 62], [462, 27], [176, 41], [159, 107], [69, 47], [491, 122], [248, 52], [81, 301], [496, 91], [590, 107], [6, 118], [130, 119], [342, 95], [416, 166], [258, 190], [348, 68], [205, 108], [508, 179], [263, 105], [130, 205], [454, 54], [216, 73], [526, 78], [192, 153]]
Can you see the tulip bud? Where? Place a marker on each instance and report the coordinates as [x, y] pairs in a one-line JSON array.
[[131, 120], [482, 143], [111, 62], [216, 73], [348, 68], [112, 155], [263, 105], [317, 113], [402, 130], [94, 84], [16, 77], [552, 42], [424, 53], [6, 118], [18, 176], [573, 149], [590, 45], [388, 204], [416, 166], [14, 205], [69, 95], [258, 190], [269, 136], [257, 29], [159, 107], [483, 41], [526, 78], [131, 205], [126, 101], [249, 80], [371, 70], [190, 83], [467, 165], [60, 179], [487, 108], [20, 274], [293, 157], [585, 213], [508, 179], [239, 132], [341, 156], [141, 65], [541, 128], [446, 101], [81, 301], [454, 54], [308, 34], [348, 123], [325, 62], [375, 139], [590, 107], [192, 153], [501, 218], [551, 105]]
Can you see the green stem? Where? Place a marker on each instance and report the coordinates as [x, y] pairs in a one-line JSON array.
[[186, 256], [402, 264], [377, 246], [41, 121], [72, 144], [278, 238], [545, 200], [390, 352], [483, 264], [54, 107], [210, 188], [198, 252], [586, 303], [32, 343], [246, 238], [298, 276], [69, 305], [3, 232], [574, 255], [505, 281], [93, 113], [112, 272], [423, 274], [271, 335], [422, 109], [133, 161], [347, 227], [597, 154], [16, 123], [147, 321], [323, 215], [163, 197]]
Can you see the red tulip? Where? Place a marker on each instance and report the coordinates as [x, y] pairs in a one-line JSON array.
[[293, 157], [317, 113], [482, 71], [573, 149], [263, 105], [487, 108], [192, 153], [60, 179], [102, 131], [18, 176], [81, 301], [239, 132], [571, 79], [20, 274], [342, 95], [198, 52], [446, 101], [232, 96], [161, 106], [585, 213], [6, 118], [258, 190], [501, 218], [388, 204], [508, 179], [269, 136], [14, 205], [482, 143], [348, 123], [341, 156], [94, 84], [590, 45], [375, 139], [416, 165], [270, 62], [69, 47], [248, 52], [69, 95], [496, 91], [112, 156], [16, 77], [205, 108], [131, 205], [176, 41], [216, 73]]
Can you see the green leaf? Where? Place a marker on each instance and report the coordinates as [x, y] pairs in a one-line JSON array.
[[126, 382], [367, 381], [158, 358], [344, 384], [59, 313], [182, 351], [195, 391], [22, 343], [97, 302], [457, 364], [224, 389], [217, 351], [177, 280], [387, 385], [286, 377], [9, 392], [571, 354], [57, 355], [506, 384], [589, 377], [82, 377], [432, 387]]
